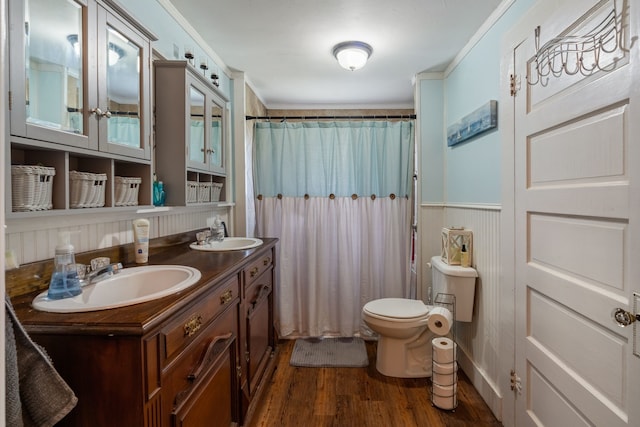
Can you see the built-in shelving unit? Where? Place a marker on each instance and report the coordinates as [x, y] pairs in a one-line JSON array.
[[191, 134]]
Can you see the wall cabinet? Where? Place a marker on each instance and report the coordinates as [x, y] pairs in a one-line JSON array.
[[190, 128], [80, 83]]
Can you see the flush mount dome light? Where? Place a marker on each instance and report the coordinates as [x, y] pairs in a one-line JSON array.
[[352, 55]]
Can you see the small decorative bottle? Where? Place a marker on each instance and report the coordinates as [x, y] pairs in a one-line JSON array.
[[464, 256], [158, 192]]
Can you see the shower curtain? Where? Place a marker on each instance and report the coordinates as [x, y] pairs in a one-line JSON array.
[[338, 196], [124, 130]]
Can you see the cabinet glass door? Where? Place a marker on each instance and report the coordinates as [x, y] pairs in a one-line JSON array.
[[123, 90], [215, 138], [196, 129], [47, 82], [122, 87]]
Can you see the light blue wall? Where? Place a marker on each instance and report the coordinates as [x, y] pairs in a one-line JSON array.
[[471, 172], [154, 17], [431, 153]]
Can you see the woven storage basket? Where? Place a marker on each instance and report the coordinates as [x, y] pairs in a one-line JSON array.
[[31, 188], [216, 188], [127, 189], [204, 192], [192, 191], [87, 189]]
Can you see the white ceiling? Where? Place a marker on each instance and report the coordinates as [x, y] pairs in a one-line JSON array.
[[284, 47]]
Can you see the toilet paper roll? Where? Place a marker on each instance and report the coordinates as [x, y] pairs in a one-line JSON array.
[[440, 320], [445, 368], [443, 379], [443, 350], [445, 397]]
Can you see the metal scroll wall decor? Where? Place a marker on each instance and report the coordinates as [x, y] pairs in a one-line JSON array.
[[583, 54]]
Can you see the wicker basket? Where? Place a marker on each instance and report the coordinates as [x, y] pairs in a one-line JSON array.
[[216, 189], [192, 191], [87, 189], [31, 188], [204, 192], [126, 190]]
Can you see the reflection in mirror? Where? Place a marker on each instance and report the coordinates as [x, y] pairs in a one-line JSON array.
[[216, 135], [196, 131], [123, 89], [53, 57]]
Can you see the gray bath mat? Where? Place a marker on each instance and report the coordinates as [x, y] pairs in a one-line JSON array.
[[329, 353]]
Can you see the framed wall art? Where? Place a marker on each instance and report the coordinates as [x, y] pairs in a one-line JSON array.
[[473, 124]]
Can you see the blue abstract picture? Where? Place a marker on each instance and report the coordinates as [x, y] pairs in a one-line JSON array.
[[481, 120]]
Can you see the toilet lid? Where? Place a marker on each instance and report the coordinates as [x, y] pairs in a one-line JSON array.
[[397, 308]]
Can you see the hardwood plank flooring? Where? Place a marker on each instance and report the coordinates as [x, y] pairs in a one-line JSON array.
[[359, 397]]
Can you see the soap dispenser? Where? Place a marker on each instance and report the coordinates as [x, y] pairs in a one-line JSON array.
[[64, 280], [217, 230]]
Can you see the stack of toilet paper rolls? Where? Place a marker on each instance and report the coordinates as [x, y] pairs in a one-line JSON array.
[[444, 377]]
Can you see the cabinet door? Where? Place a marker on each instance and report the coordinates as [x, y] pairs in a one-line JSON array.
[[258, 328], [197, 123], [47, 69], [121, 107], [211, 402], [216, 137]]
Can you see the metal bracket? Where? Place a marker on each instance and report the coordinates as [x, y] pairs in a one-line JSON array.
[[516, 382], [636, 303]]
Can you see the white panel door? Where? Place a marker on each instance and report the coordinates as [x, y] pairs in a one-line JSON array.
[[577, 220]]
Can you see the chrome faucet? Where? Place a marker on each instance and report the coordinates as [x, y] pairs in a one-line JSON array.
[[100, 269], [103, 273]]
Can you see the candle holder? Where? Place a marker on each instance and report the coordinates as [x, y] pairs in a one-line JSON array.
[[188, 53], [214, 79], [204, 66]]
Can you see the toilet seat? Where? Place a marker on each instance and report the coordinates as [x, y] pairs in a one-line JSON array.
[[397, 309]]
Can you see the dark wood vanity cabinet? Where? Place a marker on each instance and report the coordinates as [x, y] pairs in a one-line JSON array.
[[200, 359], [199, 375], [257, 313]]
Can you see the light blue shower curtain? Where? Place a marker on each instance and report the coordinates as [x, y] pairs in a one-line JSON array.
[[338, 195], [124, 130]]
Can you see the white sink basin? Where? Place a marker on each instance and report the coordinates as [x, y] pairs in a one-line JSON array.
[[130, 286], [228, 244]]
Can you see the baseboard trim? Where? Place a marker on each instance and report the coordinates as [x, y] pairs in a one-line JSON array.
[[485, 387]]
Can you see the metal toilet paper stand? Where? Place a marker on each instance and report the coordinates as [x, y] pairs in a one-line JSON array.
[[444, 375]]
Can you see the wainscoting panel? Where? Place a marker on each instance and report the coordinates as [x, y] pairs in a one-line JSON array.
[[35, 239], [479, 340]]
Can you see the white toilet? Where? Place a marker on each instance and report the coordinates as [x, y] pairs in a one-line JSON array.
[[404, 338]]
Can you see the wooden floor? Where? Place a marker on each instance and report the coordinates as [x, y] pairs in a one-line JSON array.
[[359, 397]]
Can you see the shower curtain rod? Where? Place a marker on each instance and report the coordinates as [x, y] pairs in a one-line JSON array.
[[362, 117]]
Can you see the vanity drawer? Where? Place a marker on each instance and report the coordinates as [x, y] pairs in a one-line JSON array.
[[187, 326], [205, 370], [256, 268]]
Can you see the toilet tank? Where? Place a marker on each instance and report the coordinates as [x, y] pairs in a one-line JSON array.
[[455, 280]]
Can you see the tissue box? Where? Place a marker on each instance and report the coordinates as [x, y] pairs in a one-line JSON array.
[[452, 240]]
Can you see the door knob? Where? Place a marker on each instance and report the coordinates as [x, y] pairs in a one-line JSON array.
[[623, 317]]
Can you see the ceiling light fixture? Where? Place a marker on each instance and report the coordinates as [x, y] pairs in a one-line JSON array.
[[352, 55], [115, 53], [73, 39]]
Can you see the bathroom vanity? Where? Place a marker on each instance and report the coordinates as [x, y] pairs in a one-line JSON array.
[[197, 358]]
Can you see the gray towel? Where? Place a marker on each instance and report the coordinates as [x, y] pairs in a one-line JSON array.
[[36, 395]]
